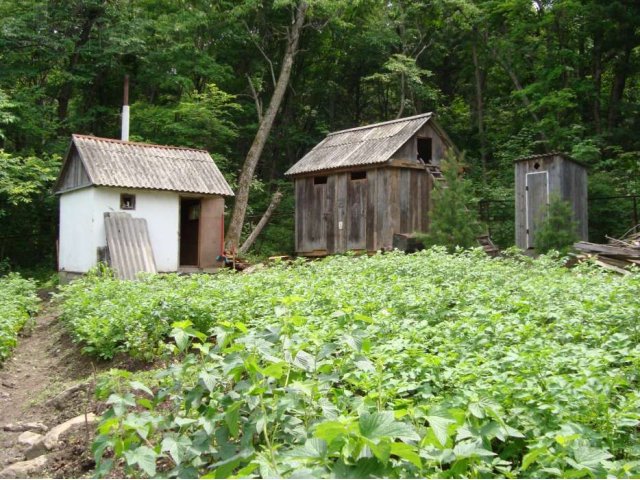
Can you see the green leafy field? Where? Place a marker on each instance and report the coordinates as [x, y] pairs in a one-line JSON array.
[[18, 301], [425, 365]]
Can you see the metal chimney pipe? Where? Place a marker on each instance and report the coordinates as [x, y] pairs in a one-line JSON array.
[[125, 111]]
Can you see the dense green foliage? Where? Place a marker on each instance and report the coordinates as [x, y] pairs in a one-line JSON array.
[[558, 230], [506, 77], [18, 301], [453, 220], [393, 365]]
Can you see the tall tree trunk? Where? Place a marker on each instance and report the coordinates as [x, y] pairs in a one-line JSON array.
[[253, 157], [621, 71], [597, 80], [66, 91], [480, 110]]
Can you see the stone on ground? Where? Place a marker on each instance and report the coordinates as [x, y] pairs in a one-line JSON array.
[[29, 438], [24, 426], [24, 469]]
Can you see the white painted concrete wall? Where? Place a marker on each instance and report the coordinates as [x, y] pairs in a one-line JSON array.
[[82, 225], [77, 250], [161, 210]]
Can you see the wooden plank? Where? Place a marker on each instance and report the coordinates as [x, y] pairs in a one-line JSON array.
[[356, 214], [415, 202], [299, 223], [371, 210], [404, 201], [74, 175], [426, 194], [330, 214], [341, 213], [609, 250], [394, 206], [381, 207]]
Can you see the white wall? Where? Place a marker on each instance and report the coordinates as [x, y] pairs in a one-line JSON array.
[[77, 249], [161, 210], [82, 225]]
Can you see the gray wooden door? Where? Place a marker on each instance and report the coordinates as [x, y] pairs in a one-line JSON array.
[[356, 214], [537, 199]]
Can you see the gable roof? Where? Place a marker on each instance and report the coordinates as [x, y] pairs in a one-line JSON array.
[[361, 146], [116, 163]]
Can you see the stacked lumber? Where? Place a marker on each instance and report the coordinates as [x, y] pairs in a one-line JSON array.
[[617, 255]]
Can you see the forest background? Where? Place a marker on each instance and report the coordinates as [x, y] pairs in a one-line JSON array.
[[507, 78]]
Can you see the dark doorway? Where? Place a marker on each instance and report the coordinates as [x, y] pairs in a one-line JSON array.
[[189, 228], [424, 149]]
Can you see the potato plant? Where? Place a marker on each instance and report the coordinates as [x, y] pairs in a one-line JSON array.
[[424, 365], [18, 301]]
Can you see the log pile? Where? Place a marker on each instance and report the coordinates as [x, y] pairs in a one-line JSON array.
[[617, 255]]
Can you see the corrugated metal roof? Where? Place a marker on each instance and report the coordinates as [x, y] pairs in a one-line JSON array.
[[547, 155], [116, 163], [360, 146], [129, 245]]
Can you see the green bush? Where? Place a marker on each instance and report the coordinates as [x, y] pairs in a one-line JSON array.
[[454, 217], [18, 301], [424, 365], [558, 230]]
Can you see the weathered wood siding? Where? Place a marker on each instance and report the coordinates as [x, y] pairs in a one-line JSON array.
[[311, 227], [574, 188], [360, 214], [74, 175], [566, 178]]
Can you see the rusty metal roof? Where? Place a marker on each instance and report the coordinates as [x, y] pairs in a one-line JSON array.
[[116, 163], [360, 146]]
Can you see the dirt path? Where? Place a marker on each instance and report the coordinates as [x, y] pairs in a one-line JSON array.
[[44, 364]]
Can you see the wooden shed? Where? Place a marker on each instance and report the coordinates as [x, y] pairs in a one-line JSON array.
[[139, 207], [537, 179], [358, 187]]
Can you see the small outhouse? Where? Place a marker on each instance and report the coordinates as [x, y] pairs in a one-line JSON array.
[[144, 207], [358, 187], [537, 179]]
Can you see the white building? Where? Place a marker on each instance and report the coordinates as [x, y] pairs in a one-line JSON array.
[[178, 191]]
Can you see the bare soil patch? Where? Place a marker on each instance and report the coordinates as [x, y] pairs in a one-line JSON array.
[[46, 363]]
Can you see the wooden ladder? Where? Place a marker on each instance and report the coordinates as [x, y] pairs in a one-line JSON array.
[[487, 244], [436, 174]]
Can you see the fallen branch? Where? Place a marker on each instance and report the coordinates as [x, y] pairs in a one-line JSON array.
[[275, 200]]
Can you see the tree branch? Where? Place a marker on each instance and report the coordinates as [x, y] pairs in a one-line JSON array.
[[275, 201], [256, 99], [266, 57]]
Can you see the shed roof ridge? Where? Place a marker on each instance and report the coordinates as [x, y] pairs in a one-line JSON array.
[[150, 155], [137, 144], [550, 154], [380, 124]]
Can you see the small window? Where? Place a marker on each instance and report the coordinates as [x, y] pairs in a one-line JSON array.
[[127, 201], [425, 150], [536, 166], [319, 180], [362, 175]]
